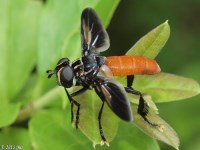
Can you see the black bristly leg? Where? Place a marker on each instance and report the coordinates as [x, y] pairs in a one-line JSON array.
[[99, 91], [130, 80], [72, 104], [72, 101], [82, 90], [142, 107], [100, 126]]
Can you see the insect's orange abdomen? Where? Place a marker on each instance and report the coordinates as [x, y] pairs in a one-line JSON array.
[[131, 65]]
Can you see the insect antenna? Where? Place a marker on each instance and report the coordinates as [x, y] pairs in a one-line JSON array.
[[50, 73]]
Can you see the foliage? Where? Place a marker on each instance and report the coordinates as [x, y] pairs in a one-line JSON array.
[[34, 35]]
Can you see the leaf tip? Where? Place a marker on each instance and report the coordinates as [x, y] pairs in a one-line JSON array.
[[166, 22], [104, 142], [177, 147], [94, 145]]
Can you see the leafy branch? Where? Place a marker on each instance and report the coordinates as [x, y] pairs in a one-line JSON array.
[[49, 35]]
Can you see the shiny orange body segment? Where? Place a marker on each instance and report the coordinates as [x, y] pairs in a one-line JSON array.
[[131, 65]]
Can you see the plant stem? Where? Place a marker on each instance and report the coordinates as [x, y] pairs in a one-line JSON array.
[[40, 103]]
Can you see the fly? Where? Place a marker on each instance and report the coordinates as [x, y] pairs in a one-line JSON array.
[[95, 71]]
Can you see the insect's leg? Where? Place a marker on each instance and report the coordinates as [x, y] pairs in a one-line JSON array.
[[130, 80], [142, 107], [100, 126], [79, 92], [77, 113], [73, 102], [99, 93]]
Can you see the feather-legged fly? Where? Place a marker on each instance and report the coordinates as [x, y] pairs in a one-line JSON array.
[[93, 71]]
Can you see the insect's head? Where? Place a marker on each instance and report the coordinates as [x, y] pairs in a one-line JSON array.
[[64, 73]]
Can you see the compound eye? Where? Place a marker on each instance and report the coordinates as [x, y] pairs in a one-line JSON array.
[[66, 77]]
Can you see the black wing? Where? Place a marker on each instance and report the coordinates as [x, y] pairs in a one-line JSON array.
[[94, 37], [115, 96]]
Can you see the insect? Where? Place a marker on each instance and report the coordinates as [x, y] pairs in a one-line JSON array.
[[93, 71]]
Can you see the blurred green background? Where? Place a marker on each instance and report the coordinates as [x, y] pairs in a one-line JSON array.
[[131, 20], [181, 54]]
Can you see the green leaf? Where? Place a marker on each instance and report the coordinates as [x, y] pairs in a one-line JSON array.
[[52, 129], [90, 105], [17, 44], [15, 138], [165, 133], [151, 44], [8, 113], [168, 135], [165, 87], [130, 138]]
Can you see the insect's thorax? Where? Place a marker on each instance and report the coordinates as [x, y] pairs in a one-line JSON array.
[[87, 67]]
